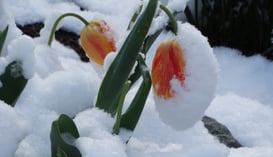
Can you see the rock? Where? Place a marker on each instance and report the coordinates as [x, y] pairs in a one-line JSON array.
[[221, 132]]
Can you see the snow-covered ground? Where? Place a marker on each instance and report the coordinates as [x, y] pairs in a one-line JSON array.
[[60, 83]]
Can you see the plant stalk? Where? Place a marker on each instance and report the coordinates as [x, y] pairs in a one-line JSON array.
[[125, 89], [53, 30], [171, 17]]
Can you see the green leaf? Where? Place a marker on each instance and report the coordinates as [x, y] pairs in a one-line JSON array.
[[62, 136], [120, 106], [13, 83], [61, 153], [118, 72], [131, 116], [150, 40], [3, 36]]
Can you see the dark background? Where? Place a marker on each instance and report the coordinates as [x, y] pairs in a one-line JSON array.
[[242, 24]]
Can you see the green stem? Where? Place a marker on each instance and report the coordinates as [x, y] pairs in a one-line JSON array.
[[58, 21], [171, 17], [120, 106]]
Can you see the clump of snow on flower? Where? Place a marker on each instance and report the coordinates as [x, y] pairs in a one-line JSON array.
[[201, 68]]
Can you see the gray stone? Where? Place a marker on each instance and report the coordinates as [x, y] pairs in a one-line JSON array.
[[221, 132]]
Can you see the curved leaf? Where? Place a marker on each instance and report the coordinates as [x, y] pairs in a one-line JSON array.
[[62, 136]]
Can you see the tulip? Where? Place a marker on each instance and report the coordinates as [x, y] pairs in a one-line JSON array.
[[184, 77], [168, 64], [97, 40]]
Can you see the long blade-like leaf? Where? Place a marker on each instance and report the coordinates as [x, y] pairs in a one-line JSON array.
[[121, 67]]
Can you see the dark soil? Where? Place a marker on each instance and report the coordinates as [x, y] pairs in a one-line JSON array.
[[32, 30], [71, 40]]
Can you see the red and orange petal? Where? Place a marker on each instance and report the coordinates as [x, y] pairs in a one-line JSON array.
[[97, 41], [168, 64]]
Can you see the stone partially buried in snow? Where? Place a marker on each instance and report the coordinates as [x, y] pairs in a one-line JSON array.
[[192, 94]]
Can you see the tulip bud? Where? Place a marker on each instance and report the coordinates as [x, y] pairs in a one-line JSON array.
[[97, 40]]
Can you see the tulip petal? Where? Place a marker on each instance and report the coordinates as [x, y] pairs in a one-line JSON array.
[[168, 64], [97, 40]]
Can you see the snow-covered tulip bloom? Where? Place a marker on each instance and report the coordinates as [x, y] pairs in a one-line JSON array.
[[97, 40], [184, 75]]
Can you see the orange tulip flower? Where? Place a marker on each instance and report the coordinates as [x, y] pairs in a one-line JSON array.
[[97, 40], [168, 64]]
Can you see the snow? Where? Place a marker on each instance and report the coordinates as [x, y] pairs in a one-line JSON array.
[[14, 128], [253, 152], [248, 77], [250, 131], [60, 83], [22, 49]]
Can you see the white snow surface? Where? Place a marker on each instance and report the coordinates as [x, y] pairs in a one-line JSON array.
[[60, 83]]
